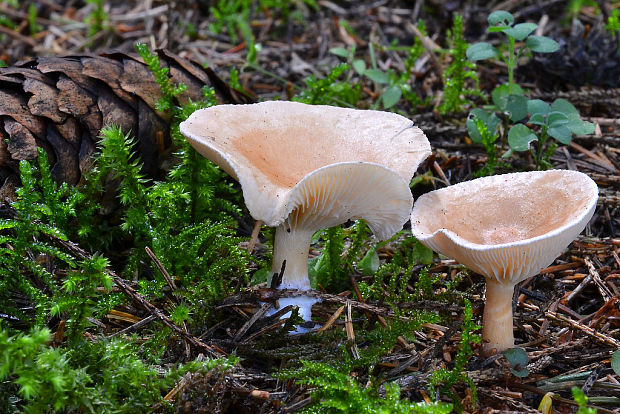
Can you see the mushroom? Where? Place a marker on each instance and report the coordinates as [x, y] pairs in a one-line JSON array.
[[507, 228], [303, 168]]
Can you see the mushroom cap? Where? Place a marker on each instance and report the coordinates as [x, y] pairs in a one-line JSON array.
[[276, 148], [506, 227]]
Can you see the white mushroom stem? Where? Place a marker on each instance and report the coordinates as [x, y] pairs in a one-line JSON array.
[[293, 245], [497, 318]]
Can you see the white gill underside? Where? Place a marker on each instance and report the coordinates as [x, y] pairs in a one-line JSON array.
[[331, 196]]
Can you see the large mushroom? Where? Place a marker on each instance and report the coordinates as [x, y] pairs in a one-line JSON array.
[[507, 228], [303, 168]]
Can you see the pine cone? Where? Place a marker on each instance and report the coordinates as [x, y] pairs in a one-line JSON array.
[[61, 103]]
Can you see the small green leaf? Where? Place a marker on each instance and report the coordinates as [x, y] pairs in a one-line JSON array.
[[585, 128], [615, 362], [567, 108], [369, 263], [391, 95], [501, 17], [501, 93], [541, 44], [472, 128], [508, 153], [421, 254], [561, 133], [537, 119], [339, 51], [359, 66], [521, 30], [555, 119], [481, 51], [575, 124], [518, 360], [536, 106], [519, 137], [260, 276], [377, 75], [517, 106], [492, 122], [499, 96]]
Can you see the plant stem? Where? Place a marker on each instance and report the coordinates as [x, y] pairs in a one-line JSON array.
[[541, 145], [511, 63]]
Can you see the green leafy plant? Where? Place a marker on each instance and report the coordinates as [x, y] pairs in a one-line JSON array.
[[188, 222], [330, 91], [342, 250], [501, 21], [44, 212], [559, 120], [394, 85], [582, 400], [42, 378], [613, 26], [335, 391], [96, 19], [168, 90], [458, 72], [32, 20], [482, 128], [510, 105], [445, 379]]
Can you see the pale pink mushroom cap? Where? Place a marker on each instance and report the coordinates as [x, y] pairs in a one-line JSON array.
[[347, 163], [303, 168], [507, 227]]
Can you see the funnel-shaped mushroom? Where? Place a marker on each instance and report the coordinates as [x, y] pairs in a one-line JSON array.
[[303, 168], [507, 228]]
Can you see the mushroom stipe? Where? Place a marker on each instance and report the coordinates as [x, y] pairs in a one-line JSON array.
[[507, 228]]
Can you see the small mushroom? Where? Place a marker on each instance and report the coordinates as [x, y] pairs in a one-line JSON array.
[[507, 228], [303, 168]]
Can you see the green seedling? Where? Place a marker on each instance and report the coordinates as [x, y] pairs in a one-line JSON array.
[[482, 128], [501, 21], [559, 120], [510, 105], [613, 26], [395, 86]]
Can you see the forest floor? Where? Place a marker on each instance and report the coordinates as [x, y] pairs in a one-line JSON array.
[[567, 318]]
